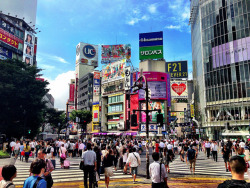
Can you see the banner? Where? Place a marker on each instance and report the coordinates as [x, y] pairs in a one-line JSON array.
[[87, 54], [151, 39], [28, 50], [71, 92], [116, 52], [134, 105], [192, 110], [95, 112], [127, 81], [113, 71], [179, 89], [177, 69], [9, 39], [153, 52], [152, 105], [96, 83]]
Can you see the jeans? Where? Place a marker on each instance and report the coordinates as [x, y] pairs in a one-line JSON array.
[[215, 155], [88, 171]]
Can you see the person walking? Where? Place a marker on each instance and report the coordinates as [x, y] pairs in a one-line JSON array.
[[27, 151], [62, 152], [191, 155], [8, 173], [90, 165], [158, 172], [108, 162], [166, 159], [226, 154], [214, 148], [16, 149], [135, 161], [208, 147], [21, 148]]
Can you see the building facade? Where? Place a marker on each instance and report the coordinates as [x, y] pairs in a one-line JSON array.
[[221, 65]]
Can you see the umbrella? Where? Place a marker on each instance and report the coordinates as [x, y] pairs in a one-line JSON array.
[[48, 139]]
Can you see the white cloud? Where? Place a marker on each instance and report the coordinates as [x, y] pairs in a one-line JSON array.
[[56, 58], [59, 88], [152, 8], [176, 27], [135, 20]]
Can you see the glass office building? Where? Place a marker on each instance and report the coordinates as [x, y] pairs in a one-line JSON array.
[[221, 66]]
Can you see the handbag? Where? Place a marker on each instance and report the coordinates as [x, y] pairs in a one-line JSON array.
[[49, 180], [81, 167]]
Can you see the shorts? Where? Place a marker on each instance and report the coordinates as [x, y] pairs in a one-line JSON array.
[[70, 151], [16, 152], [108, 171], [32, 149], [134, 170], [192, 163], [226, 160]]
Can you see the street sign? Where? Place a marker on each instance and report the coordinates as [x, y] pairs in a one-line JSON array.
[[136, 88]]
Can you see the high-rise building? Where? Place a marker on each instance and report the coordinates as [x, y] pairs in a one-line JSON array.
[[221, 65]]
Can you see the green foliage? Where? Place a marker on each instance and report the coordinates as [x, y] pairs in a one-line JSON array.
[[53, 117], [84, 115], [21, 98]]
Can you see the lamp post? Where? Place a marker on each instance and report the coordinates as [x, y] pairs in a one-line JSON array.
[[58, 129]]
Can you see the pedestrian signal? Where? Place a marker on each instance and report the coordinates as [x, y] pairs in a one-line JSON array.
[[159, 120]]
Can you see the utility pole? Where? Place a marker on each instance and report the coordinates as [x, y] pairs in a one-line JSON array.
[[67, 108]]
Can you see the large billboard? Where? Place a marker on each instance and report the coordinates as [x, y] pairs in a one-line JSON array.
[[5, 53], [177, 69], [71, 92], [95, 115], [113, 71], [157, 83], [127, 81], [151, 45], [96, 83], [152, 105], [28, 50], [231, 52], [116, 52], [134, 105], [9, 39], [87, 54], [179, 89]]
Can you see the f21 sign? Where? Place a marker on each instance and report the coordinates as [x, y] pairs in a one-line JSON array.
[[177, 69]]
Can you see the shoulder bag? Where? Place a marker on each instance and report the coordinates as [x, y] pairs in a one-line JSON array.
[[136, 159]]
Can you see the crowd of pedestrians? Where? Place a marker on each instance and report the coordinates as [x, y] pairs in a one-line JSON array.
[[104, 156]]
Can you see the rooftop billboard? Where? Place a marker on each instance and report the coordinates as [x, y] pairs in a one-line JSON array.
[[177, 69], [87, 54], [116, 52]]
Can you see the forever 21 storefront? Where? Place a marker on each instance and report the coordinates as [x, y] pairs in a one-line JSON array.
[[221, 66]]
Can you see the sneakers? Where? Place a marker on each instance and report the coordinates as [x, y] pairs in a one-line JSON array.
[[227, 170]]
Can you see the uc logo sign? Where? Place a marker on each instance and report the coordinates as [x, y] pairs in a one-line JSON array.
[[89, 51]]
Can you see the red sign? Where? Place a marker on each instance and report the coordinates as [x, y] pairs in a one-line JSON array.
[[71, 107], [9, 38], [179, 88], [71, 92], [96, 75]]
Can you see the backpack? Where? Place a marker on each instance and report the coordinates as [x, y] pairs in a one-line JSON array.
[[235, 184], [9, 185], [191, 154], [48, 150]]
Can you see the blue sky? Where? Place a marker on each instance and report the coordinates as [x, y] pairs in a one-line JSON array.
[[65, 23]]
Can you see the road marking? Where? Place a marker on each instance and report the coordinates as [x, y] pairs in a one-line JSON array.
[[194, 178]]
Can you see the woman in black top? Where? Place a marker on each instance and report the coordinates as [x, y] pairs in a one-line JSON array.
[[108, 162], [226, 154], [116, 156], [98, 158]]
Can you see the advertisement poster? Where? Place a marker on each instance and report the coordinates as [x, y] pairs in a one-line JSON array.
[[71, 92], [7, 54], [134, 105], [127, 81], [28, 50], [157, 83], [192, 110], [116, 52], [113, 71], [168, 90], [95, 114], [179, 89], [231, 52], [153, 105], [96, 83], [177, 69], [87, 54], [9, 39]]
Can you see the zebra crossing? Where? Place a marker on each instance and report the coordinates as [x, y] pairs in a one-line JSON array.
[[203, 166], [61, 175]]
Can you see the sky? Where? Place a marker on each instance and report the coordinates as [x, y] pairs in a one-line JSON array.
[[65, 23]]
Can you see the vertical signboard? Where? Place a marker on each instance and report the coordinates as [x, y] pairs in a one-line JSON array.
[[96, 83], [71, 92], [127, 81], [192, 110], [134, 105], [95, 112], [28, 50], [168, 90]]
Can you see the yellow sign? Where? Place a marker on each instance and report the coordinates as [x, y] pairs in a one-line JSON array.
[[95, 115], [173, 114], [192, 110]]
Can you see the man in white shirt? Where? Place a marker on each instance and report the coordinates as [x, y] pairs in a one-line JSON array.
[[16, 149], [161, 145], [158, 173], [81, 148], [134, 160], [208, 146], [176, 146], [242, 144], [214, 148]]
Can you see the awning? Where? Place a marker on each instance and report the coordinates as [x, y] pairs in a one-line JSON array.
[[236, 134], [131, 133]]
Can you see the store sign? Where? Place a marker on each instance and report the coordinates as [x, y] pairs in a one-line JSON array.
[[127, 81], [87, 54], [95, 115], [151, 39], [7, 54], [116, 52], [28, 50], [113, 71], [192, 110], [152, 127], [177, 69], [71, 92], [179, 89], [9, 39], [153, 52], [89, 51], [96, 83]]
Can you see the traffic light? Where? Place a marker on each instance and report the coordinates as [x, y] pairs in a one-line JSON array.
[[29, 131], [84, 124], [133, 120], [159, 120]]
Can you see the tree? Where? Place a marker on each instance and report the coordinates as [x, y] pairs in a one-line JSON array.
[[84, 115], [21, 99]]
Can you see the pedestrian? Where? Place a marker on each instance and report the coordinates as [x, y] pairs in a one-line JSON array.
[[161, 145], [208, 147], [170, 151], [37, 168], [8, 173], [48, 168], [63, 152], [16, 149], [158, 172], [38, 147], [135, 161], [108, 162], [237, 167], [116, 157], [153, 145], [226, 154], [192, 154], [90, 165], [214, 148], [124, 157], [176, 146], [21, 148], [27, 151], [166, 159]]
